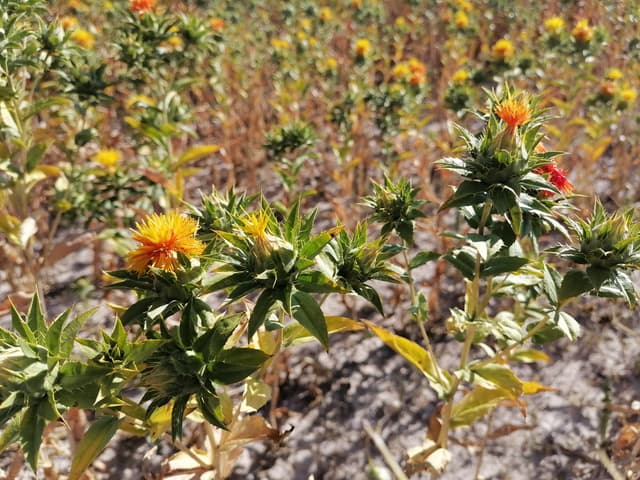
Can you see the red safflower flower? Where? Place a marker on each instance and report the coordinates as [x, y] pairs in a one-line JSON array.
[[556, 176], [142, 6], [514, 112]]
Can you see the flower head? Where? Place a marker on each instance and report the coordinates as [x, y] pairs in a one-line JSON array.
[[461, 19], [216, 24], [503, 49], [460, 76], [556, 176], [68, 22], [514, 111], [554, 25], [614, 74], [142, 6], [162, 238], [582, 32], [363, 47], [107, 158], [326, 14], [628, 95], [83, 38]]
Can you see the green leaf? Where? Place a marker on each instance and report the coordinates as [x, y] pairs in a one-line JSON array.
[[177, 415], [475, 405], [35, 316], [20, 326], [314, 246], [463, 261], [34, 156], [309, 314], [70, 332], [54, 333], [498, 265], [261, 309], [468, 193], [236, 364], [423, 257], [211, 409], [552, 281], [31, 428], [137, 313], [574, 283], [93, 442], [569, 326]]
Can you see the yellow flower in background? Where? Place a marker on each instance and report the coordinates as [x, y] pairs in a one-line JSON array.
[[83, 38], [68, 22], [280, 44], [628, 95], [400, 22], [326, 14], [461, 20], [162, 238], [418, 71], [401, 70], [554, 25], [582, 32], [305, 24], [614, 74], [503, 49], [216, 24], [108, 158], [363, 47], [78, 5], [301, 36], [460, 76], [357, 4], [465, 5], [175, 41], [331, 63], [313, 41], [255, 226]]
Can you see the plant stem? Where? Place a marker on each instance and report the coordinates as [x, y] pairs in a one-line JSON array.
[[483, 445]]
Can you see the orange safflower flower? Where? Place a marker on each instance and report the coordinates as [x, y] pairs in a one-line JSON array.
[[217, 24], [514, 112], [162, 238], [142, 6]]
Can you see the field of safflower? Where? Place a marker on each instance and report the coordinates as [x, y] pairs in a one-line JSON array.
[[318, 239]]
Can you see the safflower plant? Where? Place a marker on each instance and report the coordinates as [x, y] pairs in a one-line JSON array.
[[223, 287]]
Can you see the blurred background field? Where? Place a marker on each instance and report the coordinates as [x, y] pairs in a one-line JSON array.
[[113, 109]]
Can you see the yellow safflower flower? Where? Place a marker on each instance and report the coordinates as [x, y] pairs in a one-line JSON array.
[[83, 38], [108, 157], [363, 47], [68, 22], [582, 32], [628, 95], [326, 14], [554, 25], [460, 76], [461, 20], [503, 49], [614, 74]]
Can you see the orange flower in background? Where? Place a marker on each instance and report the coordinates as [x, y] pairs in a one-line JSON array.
[[217, 24], [142, 6], [503, 49], [162, 238], [514, 112], [582, 31]]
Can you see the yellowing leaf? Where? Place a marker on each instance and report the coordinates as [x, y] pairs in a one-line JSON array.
[[49, 170], [414, 354], [248, 429], [256, 395], [296, 334], [193, 154], [476, 404], [160, 421], [498, 376], [530, 355], [531, 388]]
